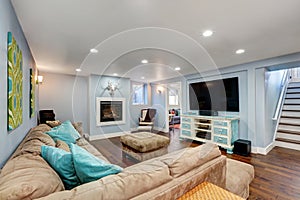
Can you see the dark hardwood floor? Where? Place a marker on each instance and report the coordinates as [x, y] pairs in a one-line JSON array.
[[277, 175]]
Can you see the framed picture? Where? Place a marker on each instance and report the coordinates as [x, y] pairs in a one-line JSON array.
[[14, 83], [110, 111], [32, 94]]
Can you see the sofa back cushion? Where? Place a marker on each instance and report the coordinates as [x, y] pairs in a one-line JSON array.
[[28, 176], [34, 140], [190, 158], [132, 181]]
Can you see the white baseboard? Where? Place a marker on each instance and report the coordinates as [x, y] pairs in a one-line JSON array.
[[133, 129], [107, 135], [261, 150]]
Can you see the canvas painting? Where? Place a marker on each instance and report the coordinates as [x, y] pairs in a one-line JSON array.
[[14, 83], [32, 94]]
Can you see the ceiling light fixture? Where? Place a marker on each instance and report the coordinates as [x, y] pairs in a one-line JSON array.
[[207, 33], [93, 50], [78, 70], [115, 74], [143, 77], [144, 61], [177, 68], [240, 51]]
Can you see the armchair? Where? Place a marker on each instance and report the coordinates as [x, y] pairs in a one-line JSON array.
[[46, 115], [146, 121]]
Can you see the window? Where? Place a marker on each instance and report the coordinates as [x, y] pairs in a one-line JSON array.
[[173, 97], [139, 93]]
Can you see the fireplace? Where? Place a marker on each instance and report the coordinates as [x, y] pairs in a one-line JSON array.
[[110, 111]]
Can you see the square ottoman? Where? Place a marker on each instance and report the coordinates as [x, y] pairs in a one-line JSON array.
[[144, 141]]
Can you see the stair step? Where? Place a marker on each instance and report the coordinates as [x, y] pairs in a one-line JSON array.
[[287, 145], [295, 137], [289, 128], [287, 140], [290, 114], [292, 102], [291, 107], [289, 121], [292, 90], [294, 84], [293, 96]]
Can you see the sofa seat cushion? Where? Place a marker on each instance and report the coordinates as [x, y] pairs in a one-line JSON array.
[[191, 158], [90, 148], [28, 177], [238, 177]]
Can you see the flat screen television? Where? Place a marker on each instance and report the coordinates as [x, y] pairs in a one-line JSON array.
[[216, 95]]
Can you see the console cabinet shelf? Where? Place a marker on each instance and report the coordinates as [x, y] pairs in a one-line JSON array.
[[220, 130]]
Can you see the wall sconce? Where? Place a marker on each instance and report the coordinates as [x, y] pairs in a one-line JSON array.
[[112, 88], [39, 79], [160, 89]]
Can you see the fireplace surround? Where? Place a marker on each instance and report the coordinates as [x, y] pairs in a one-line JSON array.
[[110, 111]]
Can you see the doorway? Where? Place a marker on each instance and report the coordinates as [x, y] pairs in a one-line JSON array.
[[174, 105]]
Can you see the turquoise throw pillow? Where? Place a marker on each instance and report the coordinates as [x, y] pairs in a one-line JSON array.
[[90, 168], [62, 162], [65, 132]]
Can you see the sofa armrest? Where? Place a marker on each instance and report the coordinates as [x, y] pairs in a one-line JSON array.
[[238, 177]]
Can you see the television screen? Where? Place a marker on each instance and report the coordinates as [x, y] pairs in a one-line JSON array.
[[216, 95]]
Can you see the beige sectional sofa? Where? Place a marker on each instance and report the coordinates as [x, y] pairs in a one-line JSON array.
[[27, 176]]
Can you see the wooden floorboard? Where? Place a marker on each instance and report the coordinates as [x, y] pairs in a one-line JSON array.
[[277, 175]]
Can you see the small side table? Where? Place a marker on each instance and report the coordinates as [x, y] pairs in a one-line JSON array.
[[209, 191]]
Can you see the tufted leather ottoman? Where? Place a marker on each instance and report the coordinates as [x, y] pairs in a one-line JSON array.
[[144, 141]]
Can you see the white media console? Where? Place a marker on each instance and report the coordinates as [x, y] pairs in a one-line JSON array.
[[221, 130]]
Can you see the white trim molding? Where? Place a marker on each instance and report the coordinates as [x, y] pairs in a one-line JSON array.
[[261, 150], [160, 129]]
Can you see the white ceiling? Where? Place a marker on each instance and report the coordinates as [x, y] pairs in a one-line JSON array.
[[60, 34]]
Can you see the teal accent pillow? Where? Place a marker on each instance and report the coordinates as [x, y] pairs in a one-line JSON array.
[[62, 162], [65, 132], [90, 168]]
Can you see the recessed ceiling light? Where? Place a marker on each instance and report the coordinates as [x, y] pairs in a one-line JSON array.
[[240, 51], [115, 74], [78, 70], [177, 68], [93, 50], [144, 61], [207, 33], [142, 77]]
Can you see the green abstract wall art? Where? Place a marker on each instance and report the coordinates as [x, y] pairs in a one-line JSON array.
[[32, 94], [14, 83]]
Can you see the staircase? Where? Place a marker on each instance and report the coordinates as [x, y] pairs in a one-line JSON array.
[[288, 132]]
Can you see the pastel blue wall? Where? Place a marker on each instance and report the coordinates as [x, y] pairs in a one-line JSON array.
[[135, 110], [10, 140], [258, 90], [67, 95], [273, 80], [159, 102], [96, 87]]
